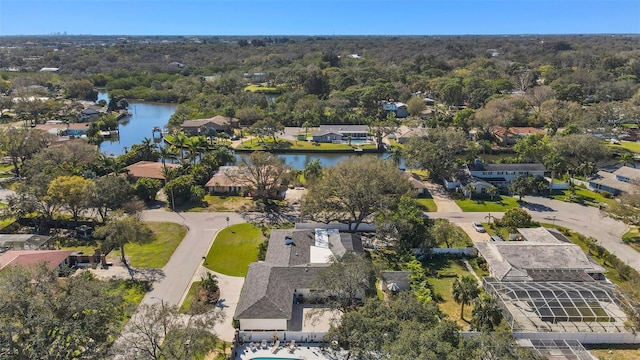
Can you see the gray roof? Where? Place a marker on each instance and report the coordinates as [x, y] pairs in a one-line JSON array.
[[395, 276], [628, 172], [530, 260], [506, 167], [269, 287], [23, 241], [323, 133], [299, 252], [345, 128], [268, 290], [607, 179]]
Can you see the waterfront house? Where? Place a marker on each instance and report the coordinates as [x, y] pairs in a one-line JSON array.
[[224, 182], [148, 169], [501, 175], [210, 126], [341, 133]]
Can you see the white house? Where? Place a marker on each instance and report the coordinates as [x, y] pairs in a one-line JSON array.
[[275, 288], [501, 175]]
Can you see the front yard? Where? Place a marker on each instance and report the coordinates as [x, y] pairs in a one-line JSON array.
[[498, 204], [582, 196], [155, 254], [224, 203], [234, 249]]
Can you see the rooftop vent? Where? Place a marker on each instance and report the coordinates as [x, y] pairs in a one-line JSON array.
[[288, 240]]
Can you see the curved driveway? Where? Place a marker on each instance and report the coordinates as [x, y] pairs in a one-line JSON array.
[[586, 220]]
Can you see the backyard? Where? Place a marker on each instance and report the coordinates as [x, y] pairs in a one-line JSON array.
[[154, 254], [234, 249], [267, 143], [444, 271]]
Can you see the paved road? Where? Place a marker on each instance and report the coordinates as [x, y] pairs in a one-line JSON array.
[[586, 220], [187, 258]]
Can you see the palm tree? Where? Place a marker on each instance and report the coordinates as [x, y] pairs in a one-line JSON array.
[[395, 155], [626, 159], [464, 290], [179, 140], [486, 313], [470, 189], [555, 163], [492, 191]]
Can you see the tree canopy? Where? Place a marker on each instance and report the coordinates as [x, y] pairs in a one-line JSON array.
[[355, 189]]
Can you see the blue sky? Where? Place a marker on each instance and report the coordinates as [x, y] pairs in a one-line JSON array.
[[317, 17]]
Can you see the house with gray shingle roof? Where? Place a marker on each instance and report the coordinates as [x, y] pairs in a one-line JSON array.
[[287, 276]]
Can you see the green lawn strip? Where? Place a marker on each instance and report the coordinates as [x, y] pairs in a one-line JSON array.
[[427, 204], [191, 295], [632, 238], [267, 144], [263, 89], [628, 145], [583, 196], [234, 249], [446, 270], [155, 254], [498, 204]]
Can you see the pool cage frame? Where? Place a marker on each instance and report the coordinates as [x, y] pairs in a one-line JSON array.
[[530, 306]]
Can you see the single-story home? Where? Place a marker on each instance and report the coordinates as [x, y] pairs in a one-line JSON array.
[[51, 258], [404, 133], [417, 184], [91, 113], [148, 169], [276, 289], [223, 182], [509, 136], [338, 133], [61, 129], [210, 126], [616, 182]]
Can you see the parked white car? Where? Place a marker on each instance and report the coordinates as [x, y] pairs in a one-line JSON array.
[[478, 227]]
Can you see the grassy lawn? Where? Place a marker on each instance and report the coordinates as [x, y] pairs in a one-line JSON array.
[[234, 249], [583, 196], [224, 203], [632, 237], [628, 145], [498, 204], [445, 272], [262, 89], [427, 204], [155, 254], [191, 294], [254, 144], [612, 353]]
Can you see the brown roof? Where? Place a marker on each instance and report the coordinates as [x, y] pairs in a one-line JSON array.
[[415, 183], [52, 258], [218, 120], [222, 178], [517, 131], [149, 169]]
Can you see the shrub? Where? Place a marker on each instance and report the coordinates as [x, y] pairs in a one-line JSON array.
[[606, 195]]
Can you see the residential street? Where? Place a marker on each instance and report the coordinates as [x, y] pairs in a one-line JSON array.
[[187, 258], [586, 220]]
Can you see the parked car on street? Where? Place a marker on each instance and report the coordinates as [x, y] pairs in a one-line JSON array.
[[478, 227]]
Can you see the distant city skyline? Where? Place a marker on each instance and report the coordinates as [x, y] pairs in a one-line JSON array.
[[318, 17]]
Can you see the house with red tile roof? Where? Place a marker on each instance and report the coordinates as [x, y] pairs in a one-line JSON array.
[[51, 258]]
